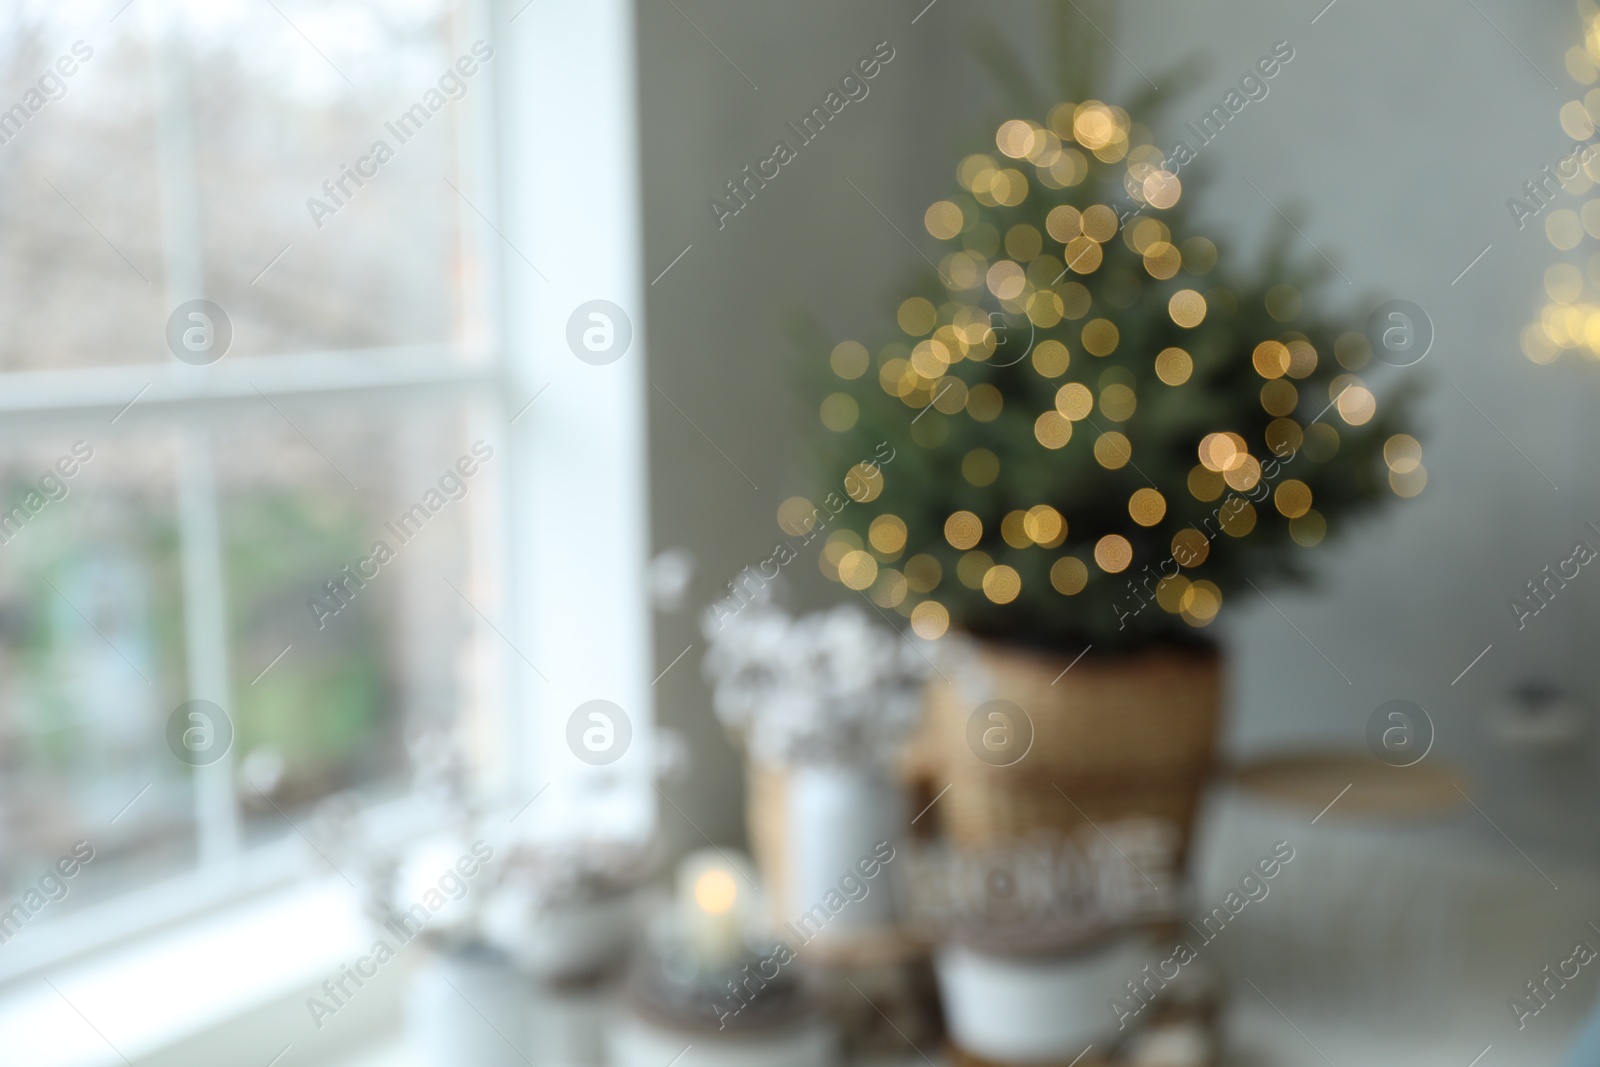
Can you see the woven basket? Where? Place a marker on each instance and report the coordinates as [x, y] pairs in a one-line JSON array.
[[1114, 737]]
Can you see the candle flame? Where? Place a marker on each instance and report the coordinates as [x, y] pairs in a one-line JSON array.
[[715, 892]]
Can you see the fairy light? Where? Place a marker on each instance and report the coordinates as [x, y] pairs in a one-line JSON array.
[[1043, 328]]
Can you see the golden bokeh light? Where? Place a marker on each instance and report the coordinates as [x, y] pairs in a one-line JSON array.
[[1563, 282], [1238, 522], [1321, 442], [887, 535], [1292, 498], [1002, 584], [1219, 451], [1100, 223], [917, 316], [1563, 229], [1100, 337], [984, 402], [1118, 403], [1205, 484], [1190, 547], [930, 620], [1284, 302], [1051, 358], [1112, 450], [1162, 260], [930, 358], [1074, 401], [839, 544], [1199, 255], [1006, 279], [1402, 453], [963, 530], [849, 359], [1013, 530], [943, 220], [1170, 592], [1094, 125], [840, 411], [864, 482], [1068, 575], [949, 395], [1411, 483], [889, 591], [797, 516], [1083, 255], [1309, 529], [1064, 223], [1200, 603], [1284, 436], [1357, 405], [1173, 366], [858, 570], [1575, 121], [1044, 526], [1244, 474], [1271, 359], [1052, 430], [971, 568], [1023, 242], [1015, 138], [923, 573], [1113, 553], [1279, 397], [1147, 506], [1187, 308], [980, 467], [1302, 358], [1352, 350], [1162, 189]]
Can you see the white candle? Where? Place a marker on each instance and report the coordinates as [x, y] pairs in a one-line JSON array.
[[715, 904]]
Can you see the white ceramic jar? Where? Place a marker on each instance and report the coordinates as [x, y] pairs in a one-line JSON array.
[[1035, 1008]]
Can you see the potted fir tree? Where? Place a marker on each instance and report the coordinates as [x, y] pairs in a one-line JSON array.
[[1104, 429]]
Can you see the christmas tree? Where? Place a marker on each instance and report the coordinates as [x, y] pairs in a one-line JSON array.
[[1102, 424]]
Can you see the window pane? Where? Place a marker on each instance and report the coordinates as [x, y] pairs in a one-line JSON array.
[[347, 628], [354, 182], [216, 150], [81, 272], [91, 634]]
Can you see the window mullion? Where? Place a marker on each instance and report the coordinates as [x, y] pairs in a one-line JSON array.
[[204, 606], [205, 620]]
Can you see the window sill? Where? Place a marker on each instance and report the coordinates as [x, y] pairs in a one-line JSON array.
[[226, 990]]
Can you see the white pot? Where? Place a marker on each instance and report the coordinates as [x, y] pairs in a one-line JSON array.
[[469, 1006], [634, 1042], [1026, 1009], [838, 817], [574, 939]]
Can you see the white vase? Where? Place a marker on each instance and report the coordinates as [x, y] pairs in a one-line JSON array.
[[842, 822], [1035, 1009], [469, 1006]]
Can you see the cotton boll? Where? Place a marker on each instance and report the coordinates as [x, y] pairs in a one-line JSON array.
[[670, 574]]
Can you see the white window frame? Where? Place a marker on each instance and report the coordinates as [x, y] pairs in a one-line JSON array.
[[564, 586]]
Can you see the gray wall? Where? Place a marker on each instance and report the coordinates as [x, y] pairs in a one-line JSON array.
[[1401, 129]]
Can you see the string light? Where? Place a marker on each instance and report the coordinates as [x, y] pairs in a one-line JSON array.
[[1036, 288]]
